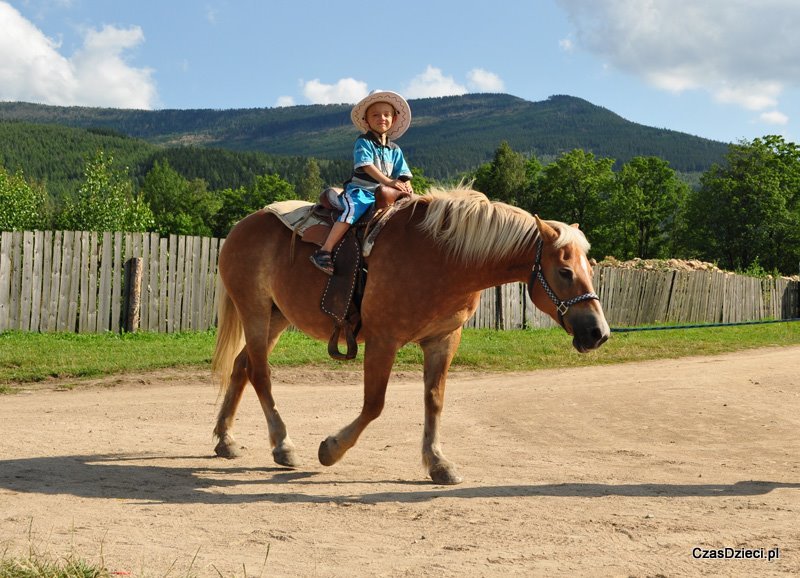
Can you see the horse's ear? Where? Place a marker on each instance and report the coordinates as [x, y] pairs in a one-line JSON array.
[[575, 225], [548, 233]]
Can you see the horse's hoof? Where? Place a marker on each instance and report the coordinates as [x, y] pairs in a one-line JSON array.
[[285, 457], [445, 474], [327, 455], [227, 448]]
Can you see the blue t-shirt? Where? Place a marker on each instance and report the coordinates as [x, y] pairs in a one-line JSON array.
[[388, 159]]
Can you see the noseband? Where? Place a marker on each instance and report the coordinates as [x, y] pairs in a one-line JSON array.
[[561, 306]]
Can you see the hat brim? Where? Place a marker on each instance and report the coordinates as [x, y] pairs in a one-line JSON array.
[[402, 119]]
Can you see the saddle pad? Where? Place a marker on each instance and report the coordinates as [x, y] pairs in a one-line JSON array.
[[295, 214]]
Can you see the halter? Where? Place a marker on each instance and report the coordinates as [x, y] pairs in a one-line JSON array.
[[561, 306]]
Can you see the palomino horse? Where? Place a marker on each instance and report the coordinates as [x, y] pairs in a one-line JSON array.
[[426, 272]]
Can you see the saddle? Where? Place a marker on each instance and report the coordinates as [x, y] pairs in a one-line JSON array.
[[341, 299]]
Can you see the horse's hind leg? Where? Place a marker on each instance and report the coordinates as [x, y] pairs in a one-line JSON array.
[[259, 374], [438, 355], [227, 446]]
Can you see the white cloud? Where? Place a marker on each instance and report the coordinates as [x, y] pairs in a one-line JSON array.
[[433, 83], [346, 90], [285, 101], [774, 117], [739, 51], [33, 69], [484, 81], [566, 44]]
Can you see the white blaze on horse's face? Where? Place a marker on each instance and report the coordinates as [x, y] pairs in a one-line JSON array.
[[587, 267]]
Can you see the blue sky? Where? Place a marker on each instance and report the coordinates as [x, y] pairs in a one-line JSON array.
[[721, 69]]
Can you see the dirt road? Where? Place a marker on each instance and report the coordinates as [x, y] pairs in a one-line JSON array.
[[627, 470]]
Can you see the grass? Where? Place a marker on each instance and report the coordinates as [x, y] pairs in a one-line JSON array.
[[45, 567], [35, 357]]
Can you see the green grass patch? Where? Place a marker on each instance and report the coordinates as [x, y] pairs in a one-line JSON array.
[[34, 357], [37, 566]]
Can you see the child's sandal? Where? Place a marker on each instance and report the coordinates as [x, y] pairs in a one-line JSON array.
[[322, 260]]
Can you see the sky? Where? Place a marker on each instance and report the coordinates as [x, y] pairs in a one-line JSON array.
[[727, 70]]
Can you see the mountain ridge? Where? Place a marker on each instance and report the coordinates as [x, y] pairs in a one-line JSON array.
[[449, 135]]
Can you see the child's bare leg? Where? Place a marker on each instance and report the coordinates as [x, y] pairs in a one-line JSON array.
[[337, 232]]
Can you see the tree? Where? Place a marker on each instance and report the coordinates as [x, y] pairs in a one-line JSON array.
[[238, 203], [575, 187], [420, 182], [106, 201], [748, 212], [507, 176], [310, 184], [22, 205], [643, 211], [179, 206]]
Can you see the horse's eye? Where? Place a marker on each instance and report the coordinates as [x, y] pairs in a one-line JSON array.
[[566, 274]]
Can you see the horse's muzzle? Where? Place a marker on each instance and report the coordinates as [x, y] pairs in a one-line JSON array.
[[589, 330]]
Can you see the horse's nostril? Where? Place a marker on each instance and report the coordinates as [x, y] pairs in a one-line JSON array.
[[598, 336]]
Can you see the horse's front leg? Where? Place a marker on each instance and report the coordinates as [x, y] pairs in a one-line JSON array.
[[438, 354], [378, 360]]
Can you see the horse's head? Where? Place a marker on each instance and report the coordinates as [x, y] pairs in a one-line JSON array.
[[561, 285]]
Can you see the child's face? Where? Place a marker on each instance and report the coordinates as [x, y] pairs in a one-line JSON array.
[[380, 117]]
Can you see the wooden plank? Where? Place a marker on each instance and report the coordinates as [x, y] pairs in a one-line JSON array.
[[197, 286], [106, 266], [26, 286], [154, 285], [144, 243], [45, 244], [172, 292], [35, 256], [163, 283], [185, 287], [64, 279], [116, 282], [91, 325], [5, 279], [51, 322], [211, 311], [16, 280], [83, 283], [202, 307], [74, 283]]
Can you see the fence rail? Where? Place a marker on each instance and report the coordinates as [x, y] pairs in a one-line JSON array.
[[74, 281]]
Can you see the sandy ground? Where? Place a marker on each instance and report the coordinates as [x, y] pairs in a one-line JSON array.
[[627, 470]]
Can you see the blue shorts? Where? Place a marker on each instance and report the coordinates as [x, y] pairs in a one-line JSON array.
[[356, 202]]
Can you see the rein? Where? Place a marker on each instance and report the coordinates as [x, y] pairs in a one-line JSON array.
[[562, 306]]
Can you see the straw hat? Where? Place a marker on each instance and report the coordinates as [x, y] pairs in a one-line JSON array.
[[402, 119]]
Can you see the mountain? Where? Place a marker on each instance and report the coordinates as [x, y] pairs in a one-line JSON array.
[[448, 136]]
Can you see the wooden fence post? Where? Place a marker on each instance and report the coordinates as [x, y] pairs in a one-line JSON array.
[[133, 294], [499, 317]]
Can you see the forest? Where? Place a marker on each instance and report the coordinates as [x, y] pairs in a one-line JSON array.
[[741, 212]]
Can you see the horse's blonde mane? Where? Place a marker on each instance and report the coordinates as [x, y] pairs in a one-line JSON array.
[[474, 229]]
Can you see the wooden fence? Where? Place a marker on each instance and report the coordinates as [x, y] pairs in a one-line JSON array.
[[634, 297], [73, 281]]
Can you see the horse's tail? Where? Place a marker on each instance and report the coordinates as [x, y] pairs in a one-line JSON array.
[[230, 337]]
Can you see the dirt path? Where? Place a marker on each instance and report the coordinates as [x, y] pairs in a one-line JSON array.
[[620, 470]]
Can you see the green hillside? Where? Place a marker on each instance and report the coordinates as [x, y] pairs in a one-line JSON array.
[[449, 135], [56, 155]]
